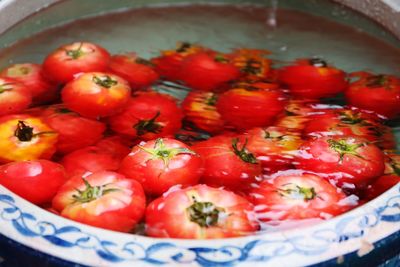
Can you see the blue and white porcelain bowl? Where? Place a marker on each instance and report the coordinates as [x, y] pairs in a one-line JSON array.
[[366, 236]]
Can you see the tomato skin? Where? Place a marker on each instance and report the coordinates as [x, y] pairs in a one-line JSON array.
[[358, 169], [120, 209], [115, 145], [74, 131], [156, 175], [279, 198], [207, 64], [308, 80], [37, 181], [222, 167], [138, 72], [370, 93], [41, 145], [253, 63], [88, 98], [200, 109], [14, 96], [145, 107], [244, 109], [61, 66], [167, 216], [31, 75]]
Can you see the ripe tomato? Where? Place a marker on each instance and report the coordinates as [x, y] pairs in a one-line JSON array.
[[227, 162], [352, 162], [313, 78], [37, 181], [148, 115], [253, 63], [199, 108], [297, 196], [379, 93], [250, 106], [200, 212], [74, 131], [103, 199], [23, 137], [208, 71], [162, 163], [137, 71], [96, 94], [14, 96], [69, 60], [31, 75], [116, 145]]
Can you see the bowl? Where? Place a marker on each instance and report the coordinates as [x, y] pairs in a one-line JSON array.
[[366, 236]]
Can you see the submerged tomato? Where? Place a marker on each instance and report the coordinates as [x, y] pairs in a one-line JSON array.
[[162, 163], [103, 199], [69, 60], [37, 181], [253, 63], [14, 96], [96, 94], [200, 212]]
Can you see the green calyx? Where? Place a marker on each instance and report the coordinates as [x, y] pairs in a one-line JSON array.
[[148, 126], [205, 214], [5, 87], [273, 136], [24, 132], [104, 81], [377, 80], [161, 151], [395, 167], [342, 147], [212, 100], [91, 193], [252, 66], [318, 62], [242, 153], [143, 61], [351, 119], [298, 192], [183, 47], [220, 58], [75, 53]]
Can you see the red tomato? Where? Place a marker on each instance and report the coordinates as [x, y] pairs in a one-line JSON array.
[[30, 74], [297, 196], [90, 159], [199, 108], [23, 137], [137, 71], [69, 60], [74, 131], [227, 162], [162, 163], [313, 78], [250, 106], [148, 115], [103, 199], [14, 96], [379, 93], [96, 94], [208, 71], [351, 161], [200, 212], [37, 181], [115, 145], [253, 63]]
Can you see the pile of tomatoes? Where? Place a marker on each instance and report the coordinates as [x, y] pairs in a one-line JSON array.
[[85, 135]]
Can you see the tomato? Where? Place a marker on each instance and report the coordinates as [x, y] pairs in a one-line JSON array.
[[227, 162], [169, 64], [208, 71], [137, 71], [297, 196], [352, 162], [115, 145], [90, 159], [65, 62], [274, 147], [148, 115], [74, 131], [23, 137], [103, 199], [96, 94], [14, 96], [200, 109], [253, 63], [313, 78], [162, 163], [31, 75], [200, 212], [379, 93], [250, 106], [37, 180]]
